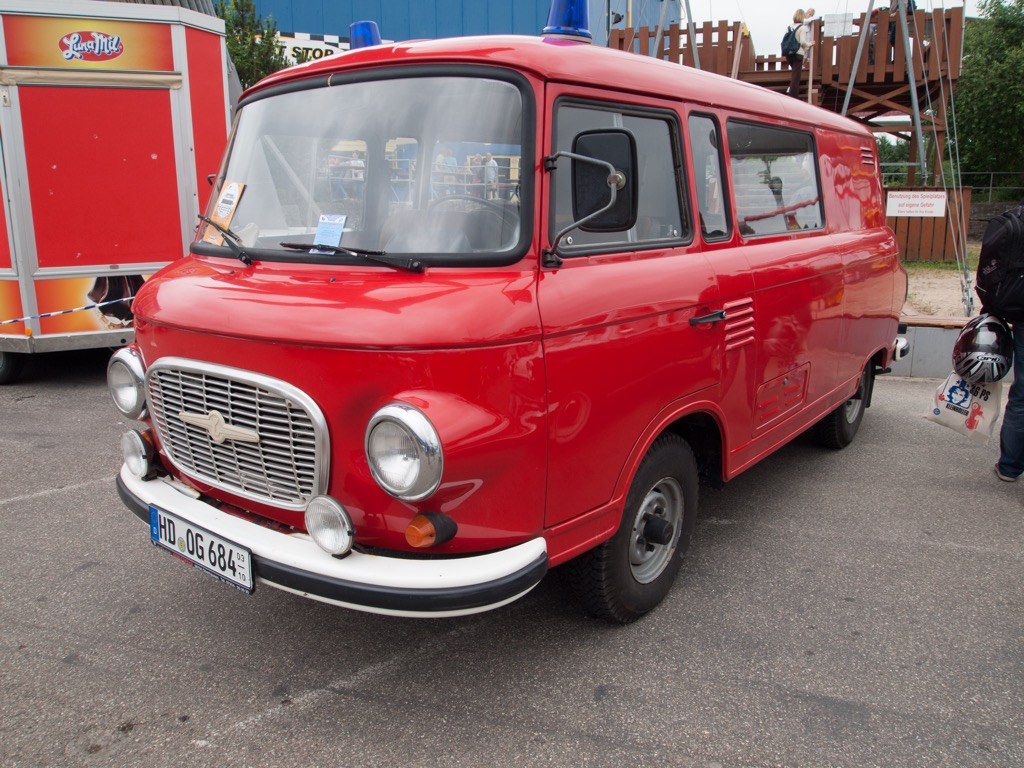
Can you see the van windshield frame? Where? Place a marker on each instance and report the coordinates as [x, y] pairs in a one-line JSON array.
[[434, 163]]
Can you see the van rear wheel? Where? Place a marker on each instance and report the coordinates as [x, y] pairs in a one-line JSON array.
[[838, 429], [628, 575]]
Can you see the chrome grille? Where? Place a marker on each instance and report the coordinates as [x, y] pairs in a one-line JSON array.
[[257, 437]]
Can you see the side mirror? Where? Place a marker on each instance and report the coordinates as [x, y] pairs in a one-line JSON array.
[[592, 183]]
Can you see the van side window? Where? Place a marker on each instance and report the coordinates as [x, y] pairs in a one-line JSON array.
[[706, 154], [660, 218], [775, 179]]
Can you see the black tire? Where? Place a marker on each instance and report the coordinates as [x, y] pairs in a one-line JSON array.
[[11, 364], [626, 576], [838, 429]]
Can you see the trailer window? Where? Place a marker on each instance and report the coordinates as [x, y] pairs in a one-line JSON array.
[[774, 179], [706, 154], [660, 217]]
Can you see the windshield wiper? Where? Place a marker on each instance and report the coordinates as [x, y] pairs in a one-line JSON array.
[[233, 241], [378, 257]]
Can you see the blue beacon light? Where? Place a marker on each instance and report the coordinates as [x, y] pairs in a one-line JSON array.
[[362, 34], [569, 20]]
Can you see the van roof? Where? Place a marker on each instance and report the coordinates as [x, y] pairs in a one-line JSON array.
[[570, 62]]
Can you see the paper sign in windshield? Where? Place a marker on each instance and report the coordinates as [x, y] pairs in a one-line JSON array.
[[230, 194], [329, 231]]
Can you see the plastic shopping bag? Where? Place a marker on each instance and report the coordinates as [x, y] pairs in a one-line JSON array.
[[975, 410]]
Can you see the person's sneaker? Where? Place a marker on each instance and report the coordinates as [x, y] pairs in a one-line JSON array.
[[1004, 478]]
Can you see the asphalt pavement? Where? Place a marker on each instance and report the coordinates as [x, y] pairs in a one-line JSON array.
[[850, 608]]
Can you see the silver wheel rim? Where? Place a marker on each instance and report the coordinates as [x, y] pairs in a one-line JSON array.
[[647, 560], [852, 408]]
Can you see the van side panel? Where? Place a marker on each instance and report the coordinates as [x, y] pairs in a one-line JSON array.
[[798, 302], [821, 302], [872, 272], [618, 346]]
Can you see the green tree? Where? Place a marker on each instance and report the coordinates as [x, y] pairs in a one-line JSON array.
[[989, 100], [893, 157], [251, 40]]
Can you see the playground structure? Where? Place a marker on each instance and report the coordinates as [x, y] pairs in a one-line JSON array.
[[908, 82]]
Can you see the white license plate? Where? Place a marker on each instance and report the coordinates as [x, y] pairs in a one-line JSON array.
[[219, 557]]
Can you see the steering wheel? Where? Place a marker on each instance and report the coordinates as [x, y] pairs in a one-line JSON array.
[[494, 205]]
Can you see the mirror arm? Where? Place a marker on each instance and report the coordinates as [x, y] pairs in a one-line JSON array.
[[616, 180]]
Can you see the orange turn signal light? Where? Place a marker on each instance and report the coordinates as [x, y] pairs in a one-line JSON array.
[[421, 532], [428, 529]]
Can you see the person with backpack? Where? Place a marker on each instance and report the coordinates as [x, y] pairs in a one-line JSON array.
[[796, 44], [999, 284]]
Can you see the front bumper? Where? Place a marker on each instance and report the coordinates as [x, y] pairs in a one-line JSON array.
[[376, 584]]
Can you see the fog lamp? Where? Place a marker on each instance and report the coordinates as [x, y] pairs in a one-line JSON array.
[[138, 451], [329, 525]]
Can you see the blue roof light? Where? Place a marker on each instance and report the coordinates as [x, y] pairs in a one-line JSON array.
[[362, 34], [569, 19]]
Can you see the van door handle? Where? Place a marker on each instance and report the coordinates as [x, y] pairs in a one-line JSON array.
[[715, 317]]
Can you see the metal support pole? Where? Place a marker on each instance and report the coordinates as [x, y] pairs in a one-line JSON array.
[[865, 32], [661, 28], [693, 35], [922, 157], [810, 66]]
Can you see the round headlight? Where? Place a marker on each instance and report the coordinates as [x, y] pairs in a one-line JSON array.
[[126, 381], [329, 525], [404, 452]]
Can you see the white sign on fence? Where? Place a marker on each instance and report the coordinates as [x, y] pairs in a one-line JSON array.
[[837, 24], [919, 203]]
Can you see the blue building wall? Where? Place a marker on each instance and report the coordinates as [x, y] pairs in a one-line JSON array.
[[416, 19]]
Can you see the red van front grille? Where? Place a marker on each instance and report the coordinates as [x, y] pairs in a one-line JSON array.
[[251, 435]]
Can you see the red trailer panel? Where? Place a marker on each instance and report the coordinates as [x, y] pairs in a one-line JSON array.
[[115, 114]]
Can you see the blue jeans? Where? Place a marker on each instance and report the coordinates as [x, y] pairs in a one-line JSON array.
[[1011, 437]]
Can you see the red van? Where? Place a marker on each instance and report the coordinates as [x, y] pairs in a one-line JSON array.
[[398, 388]]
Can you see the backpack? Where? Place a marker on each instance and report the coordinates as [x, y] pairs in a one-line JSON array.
[[790, 42], [1000, 279]]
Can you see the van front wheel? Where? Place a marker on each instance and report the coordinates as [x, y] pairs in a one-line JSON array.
[[838, 429], [628, 575]]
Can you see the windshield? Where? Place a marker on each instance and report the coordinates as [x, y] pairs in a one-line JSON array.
[[427, 166]]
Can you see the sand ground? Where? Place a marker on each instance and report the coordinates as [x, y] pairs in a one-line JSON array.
[[938, 293]]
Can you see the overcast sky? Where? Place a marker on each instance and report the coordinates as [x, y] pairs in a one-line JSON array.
[[767, 19]]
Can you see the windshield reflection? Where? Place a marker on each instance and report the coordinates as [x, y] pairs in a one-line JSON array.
[[428, 165]]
